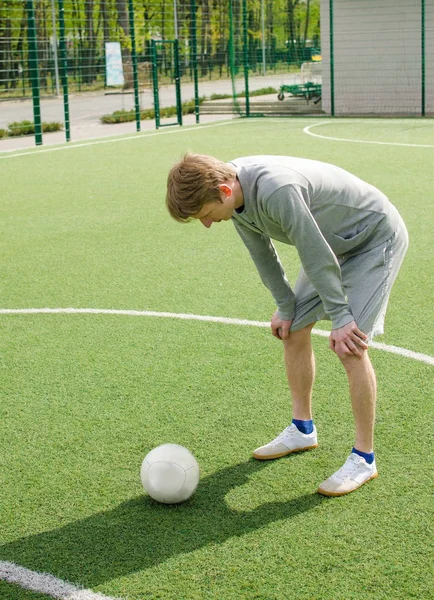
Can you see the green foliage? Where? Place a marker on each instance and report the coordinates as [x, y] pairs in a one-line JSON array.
[[53, 126], [260, 92], [188, 108], [89, 24], [3, 133], [119, 116], [18, 128], [220, 96], [124, 116]]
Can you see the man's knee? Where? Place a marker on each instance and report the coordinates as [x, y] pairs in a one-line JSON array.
[[351, 362], [299, 338]]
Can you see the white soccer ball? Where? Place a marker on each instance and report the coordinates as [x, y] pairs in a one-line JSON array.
[[170, 473]]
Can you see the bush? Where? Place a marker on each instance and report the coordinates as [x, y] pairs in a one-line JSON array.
[[18, 128], [119, 116], [220, 96], [21, 128], [124, 116], [53, 126], [261, 92], [3, 133]]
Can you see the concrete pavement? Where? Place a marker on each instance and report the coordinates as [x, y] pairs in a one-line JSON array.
[[85, 132], [86, 109]]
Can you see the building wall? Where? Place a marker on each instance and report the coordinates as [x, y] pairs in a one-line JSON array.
[[377, 57]]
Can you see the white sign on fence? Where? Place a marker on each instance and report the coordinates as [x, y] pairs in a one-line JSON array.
[[114, 68]]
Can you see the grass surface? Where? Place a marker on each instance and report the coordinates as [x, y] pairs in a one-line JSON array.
[[85, 397]]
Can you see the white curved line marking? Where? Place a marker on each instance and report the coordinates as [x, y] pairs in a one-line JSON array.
[[425, 358], [43, 583], [337, 139]]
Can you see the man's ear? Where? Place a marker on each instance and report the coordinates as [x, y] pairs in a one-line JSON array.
[[226, 189]]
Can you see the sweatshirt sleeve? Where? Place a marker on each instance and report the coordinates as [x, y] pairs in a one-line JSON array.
[[270, 269], [288, 207]]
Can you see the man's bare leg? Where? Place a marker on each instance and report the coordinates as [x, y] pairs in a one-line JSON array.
[[363, 392], [357, 469], [300, 371]]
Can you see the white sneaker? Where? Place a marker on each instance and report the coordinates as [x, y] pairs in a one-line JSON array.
[[354, 473], [290, 440]]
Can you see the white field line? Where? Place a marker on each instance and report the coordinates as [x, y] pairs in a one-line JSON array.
[[425, 358], [111, 139], [13, 153], [337, 139], [71, 146], [43, 583]]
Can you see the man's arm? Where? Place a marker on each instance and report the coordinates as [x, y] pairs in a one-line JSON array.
[[270, 270], [288, 208]]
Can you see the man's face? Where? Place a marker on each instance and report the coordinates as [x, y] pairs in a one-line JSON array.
[[216, 211]]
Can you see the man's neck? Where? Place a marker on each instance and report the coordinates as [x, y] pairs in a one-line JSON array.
[[238, 195]]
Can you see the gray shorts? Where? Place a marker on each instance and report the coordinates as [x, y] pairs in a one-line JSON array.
[[367, 279]]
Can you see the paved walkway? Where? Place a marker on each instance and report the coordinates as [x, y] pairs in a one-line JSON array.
[[88, 132], [86, 109]]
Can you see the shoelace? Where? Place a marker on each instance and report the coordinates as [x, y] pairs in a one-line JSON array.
[[283, 436], [348, 468]]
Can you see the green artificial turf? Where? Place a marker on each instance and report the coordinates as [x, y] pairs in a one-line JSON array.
[[85, 397], [15, 592]]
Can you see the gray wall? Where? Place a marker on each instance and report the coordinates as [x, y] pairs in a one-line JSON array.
[[377, 57]]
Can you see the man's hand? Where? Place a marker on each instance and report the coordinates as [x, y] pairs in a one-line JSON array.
[[348, 340], [279, 327]]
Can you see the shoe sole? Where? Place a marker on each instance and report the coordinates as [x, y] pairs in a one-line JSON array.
[[336, 494], [272, 456]]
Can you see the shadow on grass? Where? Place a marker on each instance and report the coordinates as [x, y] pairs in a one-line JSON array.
[[141, 533]]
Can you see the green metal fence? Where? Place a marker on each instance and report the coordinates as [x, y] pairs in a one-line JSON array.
[[59, 48], [263, 26], [248, 57]]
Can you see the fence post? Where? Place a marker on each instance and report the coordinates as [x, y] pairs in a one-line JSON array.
[[134, 59], [231, 53], [246, 58], [177, 81], [332, 64], [33, 71], [155, 83], [64, 70], [56, 62], [423, 57], [193, 56]]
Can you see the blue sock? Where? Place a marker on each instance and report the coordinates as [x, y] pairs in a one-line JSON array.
[[303, 426], [368, 456]]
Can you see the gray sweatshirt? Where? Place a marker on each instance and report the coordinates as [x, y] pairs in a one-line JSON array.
[[322, 210]]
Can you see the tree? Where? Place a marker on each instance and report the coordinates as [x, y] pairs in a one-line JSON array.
[[13, 27], [290, 26], [123, 22]]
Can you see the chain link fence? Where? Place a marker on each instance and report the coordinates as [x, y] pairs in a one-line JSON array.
[[278, 40], [79, 63], [50, 48]]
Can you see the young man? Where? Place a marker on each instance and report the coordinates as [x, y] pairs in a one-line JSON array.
[[351, 242]]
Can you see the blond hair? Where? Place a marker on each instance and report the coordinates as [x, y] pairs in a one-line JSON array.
[[194, 181]]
